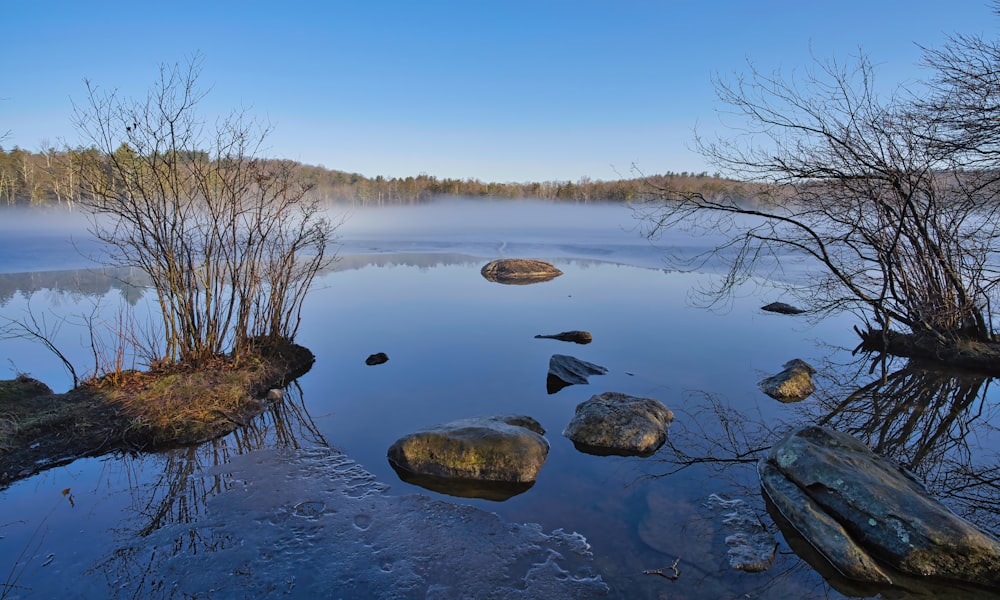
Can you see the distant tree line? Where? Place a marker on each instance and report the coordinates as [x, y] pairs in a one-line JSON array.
[[51, 177]]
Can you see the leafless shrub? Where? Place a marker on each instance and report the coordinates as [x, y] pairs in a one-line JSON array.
[[229, 240]]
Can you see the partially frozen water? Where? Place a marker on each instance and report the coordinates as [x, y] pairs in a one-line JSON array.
[[314, 524]]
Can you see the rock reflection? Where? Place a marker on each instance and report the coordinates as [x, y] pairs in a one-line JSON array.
[[497, 491]]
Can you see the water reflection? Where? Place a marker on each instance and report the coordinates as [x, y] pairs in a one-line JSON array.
[[936, 423], [89, 282], [497, 491], [131, 283], [303, 520], [189, 477]]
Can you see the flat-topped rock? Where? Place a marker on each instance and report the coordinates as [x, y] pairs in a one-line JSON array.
[[519, 271]]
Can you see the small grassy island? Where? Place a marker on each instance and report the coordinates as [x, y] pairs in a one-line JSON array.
[[229, 243], [138, 410]]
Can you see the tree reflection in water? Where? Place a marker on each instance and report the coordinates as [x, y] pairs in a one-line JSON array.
[[190, 476], [938, 424], [188, 480]]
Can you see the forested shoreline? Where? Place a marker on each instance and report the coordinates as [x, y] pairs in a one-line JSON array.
[[52, 177]]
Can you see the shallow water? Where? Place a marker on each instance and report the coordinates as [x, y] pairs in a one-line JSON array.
[[304, 503]]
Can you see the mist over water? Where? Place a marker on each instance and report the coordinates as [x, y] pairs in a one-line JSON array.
[[499, 228], [46, 239]]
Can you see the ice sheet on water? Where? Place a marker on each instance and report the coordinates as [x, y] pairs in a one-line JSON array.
[[312, 523]]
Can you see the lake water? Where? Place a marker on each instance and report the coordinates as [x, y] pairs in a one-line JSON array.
[[304, 503]]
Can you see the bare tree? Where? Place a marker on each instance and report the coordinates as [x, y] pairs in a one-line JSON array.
[[230, 240], [858, 187]]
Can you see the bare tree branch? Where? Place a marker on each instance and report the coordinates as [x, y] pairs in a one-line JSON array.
[[861, 189]]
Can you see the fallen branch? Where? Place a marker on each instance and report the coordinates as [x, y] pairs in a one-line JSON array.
[[662, 572]]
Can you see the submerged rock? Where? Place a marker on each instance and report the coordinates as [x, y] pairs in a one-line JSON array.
[[673, 526], [519, 271], [782, 308], [792, 384], [616, 423], [507, 449], [566, 370], [869, 519], [577, 337]]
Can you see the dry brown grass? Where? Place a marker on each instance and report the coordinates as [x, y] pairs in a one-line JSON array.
[[167, 406], [180, 405]]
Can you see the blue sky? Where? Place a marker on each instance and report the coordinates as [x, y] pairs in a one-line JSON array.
[[499, 91]]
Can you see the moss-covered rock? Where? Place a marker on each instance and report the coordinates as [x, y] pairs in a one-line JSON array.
[[493, 448]]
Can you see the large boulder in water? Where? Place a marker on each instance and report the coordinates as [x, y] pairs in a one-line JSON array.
[[504, 449], [869, 519], [792, 384], [519, 271], [616, 423]]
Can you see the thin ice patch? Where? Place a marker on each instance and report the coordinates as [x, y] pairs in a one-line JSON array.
[[312, 523], [751, 547]]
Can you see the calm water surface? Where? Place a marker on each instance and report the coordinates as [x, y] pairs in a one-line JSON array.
[[256, 513]]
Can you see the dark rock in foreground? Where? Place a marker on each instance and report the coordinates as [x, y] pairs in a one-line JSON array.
[[792, 384], [519, 271], [507, 449], [868, 519], [577, 337], [566, 370], [613, 423], [377, 359], [782, 308]]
